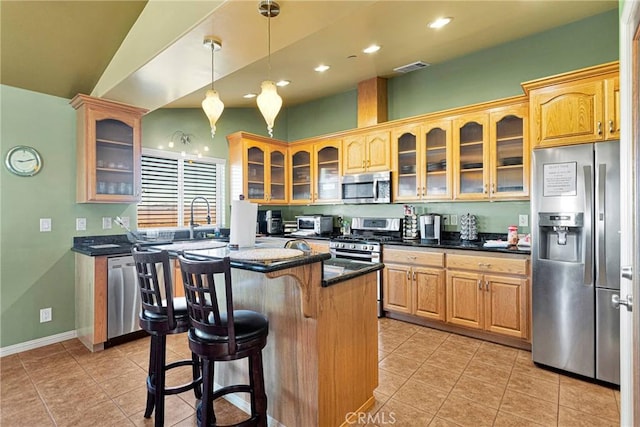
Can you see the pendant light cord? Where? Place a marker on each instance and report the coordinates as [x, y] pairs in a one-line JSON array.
[[212, 65], [269, 38]]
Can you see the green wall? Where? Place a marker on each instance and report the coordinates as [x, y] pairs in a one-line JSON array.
[[37, 269]]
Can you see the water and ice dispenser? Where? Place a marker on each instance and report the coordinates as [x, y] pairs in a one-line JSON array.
[[561, 236]]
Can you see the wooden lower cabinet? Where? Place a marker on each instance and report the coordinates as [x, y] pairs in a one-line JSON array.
[[416, 287], [492, 302], [486, 293]]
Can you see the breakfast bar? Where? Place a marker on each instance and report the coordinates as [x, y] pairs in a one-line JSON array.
[[320, 362]]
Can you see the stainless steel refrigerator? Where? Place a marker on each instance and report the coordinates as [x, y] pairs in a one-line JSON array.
[[575, 204]]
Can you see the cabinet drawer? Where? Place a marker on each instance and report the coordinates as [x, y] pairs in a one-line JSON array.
[[417, 258], [489, 264]]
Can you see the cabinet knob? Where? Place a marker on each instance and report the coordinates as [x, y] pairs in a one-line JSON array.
[[486, 285], [414, 276], [424, 191], [599, 128], [485, 189], [493, 188], [611, 129], [480, 284]]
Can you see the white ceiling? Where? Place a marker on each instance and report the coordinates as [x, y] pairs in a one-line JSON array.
[[162, 63]]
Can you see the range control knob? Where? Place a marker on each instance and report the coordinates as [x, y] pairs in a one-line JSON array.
[[353, 246]]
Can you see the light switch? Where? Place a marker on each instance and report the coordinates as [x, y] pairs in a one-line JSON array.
[[45, 224], [523, 220], [106, 222], [454, 220], [81, 224], [125, 221]]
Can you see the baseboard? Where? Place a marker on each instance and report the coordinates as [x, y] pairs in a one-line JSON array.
[[40, 342]]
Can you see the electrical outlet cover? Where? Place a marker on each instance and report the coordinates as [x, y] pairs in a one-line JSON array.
[[45, 315], [125, 221], [454, 220], [45, 224], [523, 220], [445, 219], [81, 224], [106, 222]]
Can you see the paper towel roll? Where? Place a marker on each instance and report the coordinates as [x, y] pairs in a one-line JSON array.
[[244, 216]]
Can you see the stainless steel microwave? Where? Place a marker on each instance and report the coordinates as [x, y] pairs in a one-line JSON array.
[[367, 188]]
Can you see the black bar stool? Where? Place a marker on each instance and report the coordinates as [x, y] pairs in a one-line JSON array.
[[161, 315], [220, 333]]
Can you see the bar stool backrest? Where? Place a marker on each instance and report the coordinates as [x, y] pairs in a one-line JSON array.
[[154, 281], [210, 311]]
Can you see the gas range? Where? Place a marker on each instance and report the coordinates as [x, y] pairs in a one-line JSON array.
[[366, 238]]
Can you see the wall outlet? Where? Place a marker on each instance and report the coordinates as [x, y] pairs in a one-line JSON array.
[[106, 222], [125, 221], [45, 315], [81, 224], [446, 219], [523, 220], [454, 220], [45, 224]]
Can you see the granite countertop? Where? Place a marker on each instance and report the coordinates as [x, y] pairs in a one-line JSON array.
[[464, 245], [338, 270]]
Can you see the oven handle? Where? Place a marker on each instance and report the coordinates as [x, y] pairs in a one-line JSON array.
[[338, 254]]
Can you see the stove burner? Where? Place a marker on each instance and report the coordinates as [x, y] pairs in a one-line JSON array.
[[367, 238]]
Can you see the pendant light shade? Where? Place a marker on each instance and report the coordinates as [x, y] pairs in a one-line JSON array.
[[269, 103], [212, 105]]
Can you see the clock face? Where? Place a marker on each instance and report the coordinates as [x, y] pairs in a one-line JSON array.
[[23, 160]]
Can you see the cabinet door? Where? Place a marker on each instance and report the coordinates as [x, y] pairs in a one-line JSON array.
[[570, 113], [327, 172], [436, 164], [429, 293], [277, 176], [471, 157], [378, 147], [506, 305], [354, 160], [509, 152], [397, 288], [406, 158], [464, 299], [301, 174], [612, 108], [255, 172]]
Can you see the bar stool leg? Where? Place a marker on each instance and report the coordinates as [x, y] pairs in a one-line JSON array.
[[207, 415], [160, 380], [258, 395], [150, 377], [197, 390]]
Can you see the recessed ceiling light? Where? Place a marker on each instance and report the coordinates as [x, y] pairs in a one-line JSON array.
[[440, 22], [371, 49], [322, 68], [250, 95], [283, 83]]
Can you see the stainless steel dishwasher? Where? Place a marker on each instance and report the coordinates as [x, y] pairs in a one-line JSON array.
[[123, 297]]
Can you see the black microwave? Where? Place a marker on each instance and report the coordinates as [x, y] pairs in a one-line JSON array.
[[372, 187]]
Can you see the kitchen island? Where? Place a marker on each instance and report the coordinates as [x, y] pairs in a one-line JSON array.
[[321, 358]]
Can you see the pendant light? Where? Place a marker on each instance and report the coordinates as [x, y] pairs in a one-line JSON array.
[[269, 102], [212, 105]]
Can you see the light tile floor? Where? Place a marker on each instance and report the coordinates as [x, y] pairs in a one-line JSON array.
[[427, 378]]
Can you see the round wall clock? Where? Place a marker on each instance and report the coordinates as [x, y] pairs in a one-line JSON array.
[[23, 160]]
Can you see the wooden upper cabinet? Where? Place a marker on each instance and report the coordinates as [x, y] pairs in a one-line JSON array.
[[108, 154], [574, 108], [471, 156], [258, 168], [421, 155], [367, 152], [315, 172], [612, 108], [509, 152]]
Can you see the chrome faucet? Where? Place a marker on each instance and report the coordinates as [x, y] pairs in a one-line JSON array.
[[192, 224]]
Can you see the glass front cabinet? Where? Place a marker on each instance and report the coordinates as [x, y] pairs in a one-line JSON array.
[[315, 172], [491, 155], [108, 153], [258, 168], [422, 161]]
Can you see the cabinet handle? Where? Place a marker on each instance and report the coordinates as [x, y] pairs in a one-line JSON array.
[[368, 163], [483, 265], [424, 191], [493, 188], [408, 275], [610, 126], [480, 284], [485, 189], [363, 164], [486, 285], [599, 128], [414, 276]]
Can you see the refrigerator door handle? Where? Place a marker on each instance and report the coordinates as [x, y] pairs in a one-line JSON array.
[[601, 262], [588, 221]]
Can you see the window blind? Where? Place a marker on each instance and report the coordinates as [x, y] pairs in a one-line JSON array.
[[169, 184]]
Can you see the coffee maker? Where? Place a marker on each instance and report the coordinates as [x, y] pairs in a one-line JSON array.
[[430, 228], [270, 222]]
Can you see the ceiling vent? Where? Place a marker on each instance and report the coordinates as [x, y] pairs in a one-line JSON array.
[[419, 65]]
